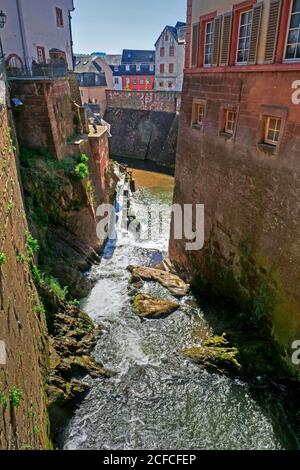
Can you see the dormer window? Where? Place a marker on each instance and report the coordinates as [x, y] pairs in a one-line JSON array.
[[138, 67]]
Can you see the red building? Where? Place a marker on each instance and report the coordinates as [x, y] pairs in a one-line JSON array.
[[137, 70], [238, 154]]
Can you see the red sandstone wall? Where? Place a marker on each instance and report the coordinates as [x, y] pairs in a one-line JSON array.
[[168, 102], [46, 119], [22, 325], [251, 198]]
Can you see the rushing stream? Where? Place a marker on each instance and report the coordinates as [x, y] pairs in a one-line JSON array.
[[156, 399]]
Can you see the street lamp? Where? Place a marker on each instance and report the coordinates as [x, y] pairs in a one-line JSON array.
[[3, 17]]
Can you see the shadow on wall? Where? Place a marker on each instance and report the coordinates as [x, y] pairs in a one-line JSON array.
[[145, 135]]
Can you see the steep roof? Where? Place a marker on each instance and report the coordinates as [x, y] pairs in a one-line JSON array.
[[89, 64], [177, 31], [133, 56]]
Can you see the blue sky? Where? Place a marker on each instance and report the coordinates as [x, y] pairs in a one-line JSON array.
[[113, 25]]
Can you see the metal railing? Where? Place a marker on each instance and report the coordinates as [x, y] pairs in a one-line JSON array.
[[47, 70]]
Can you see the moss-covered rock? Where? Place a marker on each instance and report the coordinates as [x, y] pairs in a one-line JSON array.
[[216, 354], [146, 306]]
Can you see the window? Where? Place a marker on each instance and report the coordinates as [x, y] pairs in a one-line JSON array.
[[138, 67], [151, 68], [171, 68], [162, 52], [170, 84], [142, 81], [161, 84], [134, 81], [198, 115], [59, 18], [272, 130], [116, 68], [171, 51], [208, 46], [293, 40], [244, 37], [127, 68], [230, 120], [166, 37], [116, 80], [41, 57], [162, 68], [148, 81]]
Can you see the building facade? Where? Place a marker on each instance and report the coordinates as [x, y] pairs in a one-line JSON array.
[[137, 70], [169, 58], [37, 32], [238, 154], [95, 77]]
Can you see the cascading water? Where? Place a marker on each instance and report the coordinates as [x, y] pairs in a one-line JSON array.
[[156, 399]]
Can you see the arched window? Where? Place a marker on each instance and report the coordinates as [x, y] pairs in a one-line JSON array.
[[14, 62]]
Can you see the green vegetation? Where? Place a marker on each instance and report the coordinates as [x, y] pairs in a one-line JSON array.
[[82, 169], [32, 245], [3, 258], [58, 291], [15, 397], [39, 309]]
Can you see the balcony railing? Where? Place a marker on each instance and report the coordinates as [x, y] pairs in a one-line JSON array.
[[47, 70]]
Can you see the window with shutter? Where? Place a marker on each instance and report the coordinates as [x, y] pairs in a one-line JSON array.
[[255, 32], [216, 44], [195, 44], [208, 43], [293, 40], [226, 39], [244, 37], [272, 33]]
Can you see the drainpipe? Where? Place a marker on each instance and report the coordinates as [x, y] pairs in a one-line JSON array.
[[21, 26], [71, 37]]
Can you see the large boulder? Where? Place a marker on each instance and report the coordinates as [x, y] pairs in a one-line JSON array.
[[146, 306], [176, 286]]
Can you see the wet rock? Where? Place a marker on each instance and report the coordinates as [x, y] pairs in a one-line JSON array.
[[176, 286], [146, 306], [215, 354]]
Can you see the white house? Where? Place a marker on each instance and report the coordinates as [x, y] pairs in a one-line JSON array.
[[37, 31], [169, 58]]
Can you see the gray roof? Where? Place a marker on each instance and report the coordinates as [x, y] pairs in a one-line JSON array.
[[113, 59]]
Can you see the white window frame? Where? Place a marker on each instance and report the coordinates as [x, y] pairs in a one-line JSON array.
[[138, 67], [197, 116], [239, 38], [208, 44], [127, 68], [287, 36], [151, 68], [274, 129], [228, 129]]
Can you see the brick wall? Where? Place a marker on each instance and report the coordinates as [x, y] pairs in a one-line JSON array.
[[251, 197], [168, 102], [46, 119]]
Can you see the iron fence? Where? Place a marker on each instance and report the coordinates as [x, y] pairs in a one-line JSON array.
[[47, 70]]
